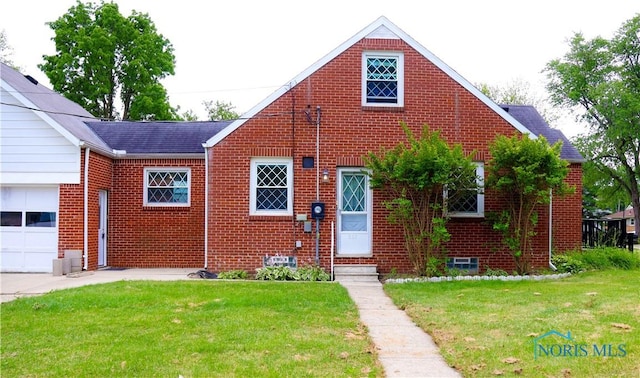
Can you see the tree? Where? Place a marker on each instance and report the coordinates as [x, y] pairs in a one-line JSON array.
[[220, 111], [525, 171], [599, 79], [518, 92], [418, 176], [103, 58], [6, 51]]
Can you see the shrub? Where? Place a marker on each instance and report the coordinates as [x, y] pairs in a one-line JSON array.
[[596, 259], [312, 273], [488, 271], [275, 273], [233, 275], [284, 273]]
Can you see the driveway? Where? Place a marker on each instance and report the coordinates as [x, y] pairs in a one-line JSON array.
[[16, 285]]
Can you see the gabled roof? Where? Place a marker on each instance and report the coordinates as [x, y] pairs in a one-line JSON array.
[[532, 120], [152, 138], [62, 114], [380, 28]]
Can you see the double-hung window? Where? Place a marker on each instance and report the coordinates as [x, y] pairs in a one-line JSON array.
[[382, 79], [468, 203], [167, 187], [271, 186]]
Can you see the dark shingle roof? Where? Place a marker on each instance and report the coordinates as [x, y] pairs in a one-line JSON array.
[[529, 117], [157, 137]]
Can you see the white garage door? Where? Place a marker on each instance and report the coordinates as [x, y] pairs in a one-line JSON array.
[[28, 229]]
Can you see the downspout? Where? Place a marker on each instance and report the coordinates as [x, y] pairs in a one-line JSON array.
[[85, 247], [318, 183], [551, 229], [206, 206]]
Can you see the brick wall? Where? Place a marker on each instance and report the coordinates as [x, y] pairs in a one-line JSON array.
[[71, 224], [349, 131], [149, 237]]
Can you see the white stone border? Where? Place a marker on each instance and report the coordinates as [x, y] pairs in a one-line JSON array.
[[480, 278]]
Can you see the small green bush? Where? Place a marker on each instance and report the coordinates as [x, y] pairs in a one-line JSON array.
[[312, 273], [596, 259], [567, 263], [233, 275], [488, 271], [275, 273], [284, 273]]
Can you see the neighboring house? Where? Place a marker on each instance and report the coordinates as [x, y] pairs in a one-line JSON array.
[[223, 195], [629, 217]]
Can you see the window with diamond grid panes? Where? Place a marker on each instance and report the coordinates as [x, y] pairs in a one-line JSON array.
[[468, 202], [353, 192], [167, 187], [382, 80], [271, 187]]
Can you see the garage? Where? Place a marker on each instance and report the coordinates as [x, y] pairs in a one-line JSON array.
[[28, 228]]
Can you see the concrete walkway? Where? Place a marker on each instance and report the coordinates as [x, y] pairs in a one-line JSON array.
[[404, 349]]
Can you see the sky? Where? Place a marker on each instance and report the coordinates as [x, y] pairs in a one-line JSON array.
[[241, 51]]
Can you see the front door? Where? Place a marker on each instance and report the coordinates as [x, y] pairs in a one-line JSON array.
[[354, 213], [102, 228]]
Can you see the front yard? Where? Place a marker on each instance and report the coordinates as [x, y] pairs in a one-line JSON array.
[[494, 328]]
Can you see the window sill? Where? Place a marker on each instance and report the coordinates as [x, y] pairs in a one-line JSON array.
[[270, 218], [394, 109], [166, 207]]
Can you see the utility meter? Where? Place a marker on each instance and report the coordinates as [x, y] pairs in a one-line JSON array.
[[317, 210]]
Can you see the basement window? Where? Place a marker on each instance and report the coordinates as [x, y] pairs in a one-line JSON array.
[[467, 265]]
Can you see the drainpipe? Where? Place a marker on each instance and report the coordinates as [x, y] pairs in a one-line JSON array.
[[87, 152], [318, 182], [551, 229], [206, 206]]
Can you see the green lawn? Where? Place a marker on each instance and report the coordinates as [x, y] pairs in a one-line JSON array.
[[489, 328], [188, 328]]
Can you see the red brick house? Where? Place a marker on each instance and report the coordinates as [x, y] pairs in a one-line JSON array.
[[224, 195]]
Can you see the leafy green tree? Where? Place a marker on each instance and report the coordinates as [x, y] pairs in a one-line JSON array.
[[599, 79], [417, 176], [6, 51], [220, 111], [525, 172], [519, 92], [104, 60]]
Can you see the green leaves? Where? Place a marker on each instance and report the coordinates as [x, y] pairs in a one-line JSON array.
[[525, 171], [102, 56], [417, 175]]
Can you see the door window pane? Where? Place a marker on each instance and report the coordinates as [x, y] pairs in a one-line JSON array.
[[354, 222], [11, 219], [40, 219]]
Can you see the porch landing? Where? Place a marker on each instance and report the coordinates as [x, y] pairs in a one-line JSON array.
[[355, 273]]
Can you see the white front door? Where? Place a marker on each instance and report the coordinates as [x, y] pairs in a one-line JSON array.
[[102, 228], [354, 213]]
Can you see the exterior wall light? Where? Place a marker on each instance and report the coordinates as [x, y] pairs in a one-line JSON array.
[[325, 176]]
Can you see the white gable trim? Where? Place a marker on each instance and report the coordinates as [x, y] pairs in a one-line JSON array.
[[41, 113], [380, 28]]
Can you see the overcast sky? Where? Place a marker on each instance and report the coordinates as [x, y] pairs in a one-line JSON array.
[[240, 51]]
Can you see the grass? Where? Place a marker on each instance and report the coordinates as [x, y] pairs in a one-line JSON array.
[[187, 328], [488, 328]]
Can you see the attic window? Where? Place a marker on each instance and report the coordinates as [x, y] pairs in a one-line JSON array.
[[383, 79]]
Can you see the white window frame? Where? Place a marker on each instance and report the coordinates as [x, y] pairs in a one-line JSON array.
[[400, 78], [480, 211], [456, 262], [255, 162], [149, 170]]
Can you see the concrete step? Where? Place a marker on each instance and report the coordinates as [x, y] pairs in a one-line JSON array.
[[355, 273]]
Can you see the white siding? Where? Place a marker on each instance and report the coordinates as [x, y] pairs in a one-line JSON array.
[[31, 150]]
